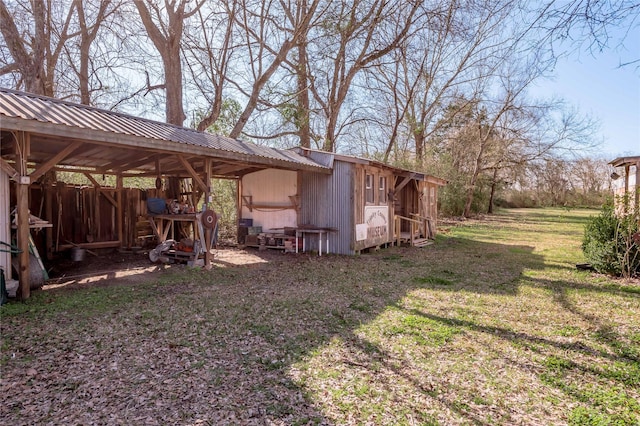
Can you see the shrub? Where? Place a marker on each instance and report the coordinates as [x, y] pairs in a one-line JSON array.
[[610, 244]]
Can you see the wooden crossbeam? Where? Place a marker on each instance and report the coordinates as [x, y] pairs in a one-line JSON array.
[[45, 167], [404, 182], [197, 179], [6, 167], [104, 194]]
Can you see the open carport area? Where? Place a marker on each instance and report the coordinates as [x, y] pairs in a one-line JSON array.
[[40, 136]]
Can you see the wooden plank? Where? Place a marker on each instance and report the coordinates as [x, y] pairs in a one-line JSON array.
[[94, 245], [5, 225], [44, 168]]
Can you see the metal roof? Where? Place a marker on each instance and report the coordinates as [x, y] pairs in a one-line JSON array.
[[25, 111], [327, 158]]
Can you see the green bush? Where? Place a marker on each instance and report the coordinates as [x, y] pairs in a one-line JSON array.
[[609, 244]]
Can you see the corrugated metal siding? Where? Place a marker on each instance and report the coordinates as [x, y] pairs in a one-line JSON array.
[[27, 106], [327, 201]]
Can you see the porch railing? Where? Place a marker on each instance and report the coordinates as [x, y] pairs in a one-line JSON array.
[[413, 225], [427, 224]]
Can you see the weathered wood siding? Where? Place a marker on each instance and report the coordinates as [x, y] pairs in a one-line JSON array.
[[5, 223], [376, 213]]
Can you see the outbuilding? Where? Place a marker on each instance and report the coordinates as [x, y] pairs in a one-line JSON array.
[[296, 200], [626, 182], [362, 204], [39, 135]]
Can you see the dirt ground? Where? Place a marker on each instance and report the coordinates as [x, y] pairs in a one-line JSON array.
[[135, 266]]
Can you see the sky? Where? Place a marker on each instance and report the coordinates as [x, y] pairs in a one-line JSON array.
[[598, 86]]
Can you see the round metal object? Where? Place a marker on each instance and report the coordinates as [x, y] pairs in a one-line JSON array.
[[154, 256], [209, 219]]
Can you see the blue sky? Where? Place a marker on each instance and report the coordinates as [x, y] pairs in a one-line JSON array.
[[598, 86]]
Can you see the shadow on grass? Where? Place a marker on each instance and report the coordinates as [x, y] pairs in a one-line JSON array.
[[228, 348]]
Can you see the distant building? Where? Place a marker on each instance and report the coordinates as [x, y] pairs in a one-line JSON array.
[[626, 182]]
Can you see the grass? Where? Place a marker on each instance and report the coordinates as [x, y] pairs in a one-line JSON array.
[[491, 325]]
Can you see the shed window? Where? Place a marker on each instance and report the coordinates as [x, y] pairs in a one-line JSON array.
[[382, 190], [369, 188]]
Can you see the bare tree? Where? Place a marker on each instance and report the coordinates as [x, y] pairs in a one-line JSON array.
[[592, 23], [165, 29], [34, 42], [351, 37], [267, 44], [208, 51], [91, 18]]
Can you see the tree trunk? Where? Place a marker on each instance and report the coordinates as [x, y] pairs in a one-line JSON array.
[[166, 38], [419, 140], [476, 172], [329, 141], [173, 86], [303, 116], [493, 190]]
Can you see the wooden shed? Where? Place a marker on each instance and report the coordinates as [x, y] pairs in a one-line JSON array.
[[626, 182], [361, 204], [39, 135]]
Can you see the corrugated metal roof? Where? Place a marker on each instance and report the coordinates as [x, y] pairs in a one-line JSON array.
[[325, 158], [26, 106]]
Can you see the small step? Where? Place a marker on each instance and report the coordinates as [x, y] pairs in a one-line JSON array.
[[422, 242]]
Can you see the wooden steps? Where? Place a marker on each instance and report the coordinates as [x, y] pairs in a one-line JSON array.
[[405, 237], [422, 242]]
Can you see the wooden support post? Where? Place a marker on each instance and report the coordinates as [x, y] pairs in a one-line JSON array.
[[119, 207], [22, 193], [208, 256], [23, 238], [48, 208], [159, 193]]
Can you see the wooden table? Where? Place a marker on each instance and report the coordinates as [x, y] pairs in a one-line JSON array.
[[320, 231], [163, 223]]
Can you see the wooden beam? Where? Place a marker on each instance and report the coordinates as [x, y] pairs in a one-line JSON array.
[[197, 179], [104, 194], [44, 168], [22, 210], [6, 167], [119, 207], [96, 245], [208, 233], [404, 183]]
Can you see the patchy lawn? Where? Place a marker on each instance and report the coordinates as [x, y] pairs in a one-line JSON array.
[[491, 325]]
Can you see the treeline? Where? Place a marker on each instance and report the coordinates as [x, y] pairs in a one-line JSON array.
[[555, 182], [437, 86]]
